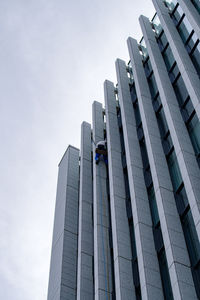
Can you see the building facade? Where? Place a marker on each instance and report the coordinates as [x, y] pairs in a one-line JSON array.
[[130, 229]]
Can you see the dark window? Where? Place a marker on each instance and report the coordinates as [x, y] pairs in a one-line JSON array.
[[168, 57], [195, 57], [137, 114], [194, 131], [196, 4], [174, 170], [174, 72], [152, 85], [184, 29], [191, 238], [180, 90], [167, 289], [153, 206], [162, 122]]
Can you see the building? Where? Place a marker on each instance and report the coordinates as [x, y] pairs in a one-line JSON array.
[[131, 229]]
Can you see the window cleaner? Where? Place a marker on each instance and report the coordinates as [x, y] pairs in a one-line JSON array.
[[101, 150]]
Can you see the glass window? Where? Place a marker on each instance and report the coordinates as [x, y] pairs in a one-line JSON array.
[[162, 123], [164, 272], [153, 207], [156, 24], [192, 41], [181, 201], [147, 67], [137, 114], [168, 58], [174, 170], [194, 131], [195, 56], [196, 4], [157, 103], [180, 90], [184, 29], [174, 73], [152, 86], [145, 159], [167, 144], [178, 13], [143, 48], [171, 4], [187, 109], [191, 238]]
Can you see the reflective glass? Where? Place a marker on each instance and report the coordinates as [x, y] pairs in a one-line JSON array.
[[168, 58], [191, 238], [156, 24], [152, 86], [174, 171], [171, 4], [192, 41], [194, 131], [195, 57], [162, 123], [174, 73], [143, 48], [178, 13], [184, 29], [196, 4], [180, 90], [153, 207]]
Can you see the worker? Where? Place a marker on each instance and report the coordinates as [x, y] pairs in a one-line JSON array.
[[101, 149]]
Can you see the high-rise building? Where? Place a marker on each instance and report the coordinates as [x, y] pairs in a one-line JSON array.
[[130, 228]]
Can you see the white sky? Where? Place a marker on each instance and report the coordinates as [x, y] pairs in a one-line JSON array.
[[54, 58]]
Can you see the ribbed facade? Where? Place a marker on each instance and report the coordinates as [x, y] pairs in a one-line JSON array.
[[130, 229]]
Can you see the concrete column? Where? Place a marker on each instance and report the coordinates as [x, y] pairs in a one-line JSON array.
[[173, 238], [150, 281], [124, 286], [63, 269], [185, 65], [192, 15], [102, 257], [85, 286], [183, 148]]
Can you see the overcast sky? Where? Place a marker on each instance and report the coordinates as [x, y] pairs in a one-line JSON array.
[[54, 58]]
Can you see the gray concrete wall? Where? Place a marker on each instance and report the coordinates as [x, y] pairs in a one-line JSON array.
[[150, 281], [184, 63], [102, 257], [62, 279], [176, 252], [120, 229], [85, 278]]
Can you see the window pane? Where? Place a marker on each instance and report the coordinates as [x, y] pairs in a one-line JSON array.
[[196, 4], [163, 39], [196, 58], [194, 131], [162, 123], [178, 13], [153, 206], [171, 4], [168, 58], [174, 171], [191, 238], [157, 25], [180, 90], [192, 41], [143, 48], [173, 73], [184, 29], [152, 86]]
